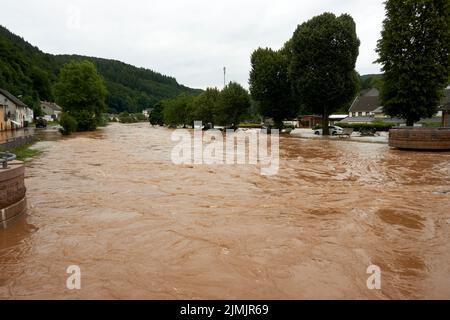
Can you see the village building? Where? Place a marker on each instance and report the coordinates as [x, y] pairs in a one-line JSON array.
[[310, 121], [147, 112], [367, 104], [335, 118], [14, 114], [366, 108], [51, 110]]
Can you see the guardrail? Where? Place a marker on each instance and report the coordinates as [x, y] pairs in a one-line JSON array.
[[5, 157]]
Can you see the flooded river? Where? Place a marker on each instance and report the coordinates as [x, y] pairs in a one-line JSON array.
[[139, 226]]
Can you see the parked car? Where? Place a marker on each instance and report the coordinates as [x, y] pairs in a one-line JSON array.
[[334, 130], [41, 123]]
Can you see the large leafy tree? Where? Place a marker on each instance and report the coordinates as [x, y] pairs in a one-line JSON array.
[[81, 92], [205, 105], [270, 85], [415, 54], [178, 111], [323, 55], [232, 105]]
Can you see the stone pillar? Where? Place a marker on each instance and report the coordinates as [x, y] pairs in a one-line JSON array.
[[12, 192]]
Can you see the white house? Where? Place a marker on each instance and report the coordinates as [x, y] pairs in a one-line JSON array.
[[14, 114], [51, 110], [147, 112]]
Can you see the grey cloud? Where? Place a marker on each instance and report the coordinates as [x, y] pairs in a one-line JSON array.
[[190, 40]]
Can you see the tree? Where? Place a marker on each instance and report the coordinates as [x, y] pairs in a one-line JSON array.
[[81, 92], [156, 115], [68, 124], [205, 106], [270, 85], [415, 53], [233, 103], [178, 111], [323, 55], [370, 81]]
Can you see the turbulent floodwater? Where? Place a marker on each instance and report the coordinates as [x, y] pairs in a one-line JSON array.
[[139, 226]]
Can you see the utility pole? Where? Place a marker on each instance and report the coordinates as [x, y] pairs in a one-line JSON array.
[[224, 76]]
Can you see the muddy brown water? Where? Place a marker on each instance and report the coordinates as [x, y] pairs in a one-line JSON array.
[[141, 227]]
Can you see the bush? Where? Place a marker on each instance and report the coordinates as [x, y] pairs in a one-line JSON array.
[[126, 118], [68, 123], [428, 124], [103, 120], [85, 121], [132, 118], [140, 117], [250, 125]]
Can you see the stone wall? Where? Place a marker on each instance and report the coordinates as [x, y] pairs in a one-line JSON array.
[[15, 142], [12, 192], [420, 138]]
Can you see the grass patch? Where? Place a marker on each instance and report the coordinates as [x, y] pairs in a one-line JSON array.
[[25, 152]]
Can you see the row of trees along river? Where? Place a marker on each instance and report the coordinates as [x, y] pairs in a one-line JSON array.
[[314, 72]]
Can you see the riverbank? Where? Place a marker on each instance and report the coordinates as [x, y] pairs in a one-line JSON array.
[[139, 226], [23, 143], [25, 152]]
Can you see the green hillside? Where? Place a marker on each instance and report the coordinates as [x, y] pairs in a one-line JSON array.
[[27, 71], [370, 81]]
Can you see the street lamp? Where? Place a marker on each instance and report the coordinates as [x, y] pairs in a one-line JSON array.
[[224, 76]]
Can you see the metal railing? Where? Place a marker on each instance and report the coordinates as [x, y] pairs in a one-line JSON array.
[[5, 157]]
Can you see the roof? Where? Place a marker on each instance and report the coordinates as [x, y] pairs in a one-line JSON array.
[[338, 116], [370, 92], [367, 101], [310, 116], [358, 120], [365, 104], [378, 110], [51, 105], [12, 98]]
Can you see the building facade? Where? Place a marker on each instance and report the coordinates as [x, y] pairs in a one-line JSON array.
[[14, 114], [51, 110]]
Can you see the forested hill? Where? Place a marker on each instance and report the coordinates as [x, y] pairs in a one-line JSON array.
[[25, 70], [370, 81]]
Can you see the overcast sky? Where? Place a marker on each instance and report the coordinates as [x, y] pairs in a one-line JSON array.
[[189, 40]]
